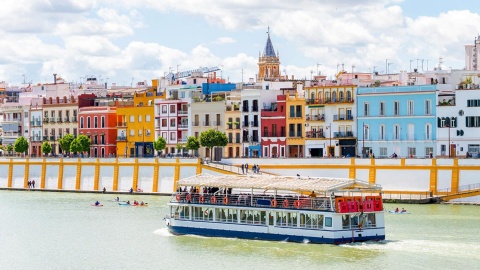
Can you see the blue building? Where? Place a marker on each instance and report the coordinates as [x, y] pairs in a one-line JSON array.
[[396, 119]]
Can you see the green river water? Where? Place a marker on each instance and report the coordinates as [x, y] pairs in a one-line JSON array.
[[42, 230]]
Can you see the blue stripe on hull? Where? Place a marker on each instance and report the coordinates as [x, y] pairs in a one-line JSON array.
[[266, 236]]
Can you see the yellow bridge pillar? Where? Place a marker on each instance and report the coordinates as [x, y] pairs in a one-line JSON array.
[[352, 173], [44, 173], [60, 174], [433, 177], [176, 174], [135, 175], [10, 174], [199, 167], [372, 174], [155, 176], [455, 176], [116, 168], [79, 174], [96, 177], [27, 173]]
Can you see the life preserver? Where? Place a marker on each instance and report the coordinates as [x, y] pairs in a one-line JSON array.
[[188, 197], [178, 197], [213, 200], [225, 200], [285, 204], [274, 203], [297, 203], [205, 213], [202, 199]]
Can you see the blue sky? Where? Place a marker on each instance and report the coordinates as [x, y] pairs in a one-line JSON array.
[[142, 39]]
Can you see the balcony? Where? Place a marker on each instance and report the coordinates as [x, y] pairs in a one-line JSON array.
[[339, 100], [255, 139], [182, 112], [313, 101], [74, 119], [121, 139], [121, 124], [254, 123], [45, 138], [254, 108], [206, 123], [183, 126], [342, 117], [67, 119], [52, 119], [195, 123], [319, 117], [45, 120], [245, 124], [217, 123], [59, 120], [348, 134], [244, 109], [315, 134]]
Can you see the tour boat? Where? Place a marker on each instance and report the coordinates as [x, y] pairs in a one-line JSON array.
[[278, 208]]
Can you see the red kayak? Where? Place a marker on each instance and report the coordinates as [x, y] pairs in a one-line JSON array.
[[97, 205]]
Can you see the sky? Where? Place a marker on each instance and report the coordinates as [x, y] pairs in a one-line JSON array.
[[125, 41]]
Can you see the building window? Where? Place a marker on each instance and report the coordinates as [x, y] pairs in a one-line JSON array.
[[411, 132], [164, 122], [172, 122], [366, 132], [472, 121], [412, 152], [172, 136], [473, 103], [88, 122], [291, 130], [164, 109], [396, 108], [132, 132], [103, 121], [147, 118], [428, 132], [383, 151], [139, 118], [382, 132], [410, 107], [366, 109], [95, 122], [292, 111], [81, 122], [429, 151], [75, 132], [382, 109], [172, 108], [132, 118], [396, 132], [428, 107]]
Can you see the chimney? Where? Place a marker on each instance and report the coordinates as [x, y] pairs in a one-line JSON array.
[[55, 78]]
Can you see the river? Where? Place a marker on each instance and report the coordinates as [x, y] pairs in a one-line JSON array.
[[42, 230]]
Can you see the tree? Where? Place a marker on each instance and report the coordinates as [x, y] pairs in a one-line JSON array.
[[192, 143], [65, 142], [10, 149], [159, 144], [75, 146], [46, 148], [180, 147], [212, 138], [21, 145], [85, 142]]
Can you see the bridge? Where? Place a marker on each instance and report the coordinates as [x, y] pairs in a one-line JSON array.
[[463, 192]]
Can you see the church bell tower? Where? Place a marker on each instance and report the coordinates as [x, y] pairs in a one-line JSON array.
[[268, 62]]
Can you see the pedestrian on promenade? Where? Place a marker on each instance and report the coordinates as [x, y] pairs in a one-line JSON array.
[[104, 190], [33, 183], [29, 183], [243, 168], [246, 168]]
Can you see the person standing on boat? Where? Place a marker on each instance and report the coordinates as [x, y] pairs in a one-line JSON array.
[[313, 195]]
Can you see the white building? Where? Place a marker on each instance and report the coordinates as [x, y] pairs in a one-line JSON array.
[[472, 55]]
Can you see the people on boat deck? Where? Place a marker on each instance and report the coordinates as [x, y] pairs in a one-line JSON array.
[[97, 203], [396, 210], [313, 195]]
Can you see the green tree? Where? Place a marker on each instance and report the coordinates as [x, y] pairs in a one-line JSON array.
[[192, 143], [75, 146], [84, 142], [159, 144], [212, 138], [180, 147], [10, 149], [65, 142], [21, 145], [46, 148]]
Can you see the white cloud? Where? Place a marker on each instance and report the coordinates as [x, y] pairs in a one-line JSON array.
[[225, 40]]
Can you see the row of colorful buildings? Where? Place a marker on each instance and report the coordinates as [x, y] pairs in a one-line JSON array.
[[410, 114]]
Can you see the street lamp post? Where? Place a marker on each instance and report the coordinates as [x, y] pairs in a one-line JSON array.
[[330, 144], [449, 147]]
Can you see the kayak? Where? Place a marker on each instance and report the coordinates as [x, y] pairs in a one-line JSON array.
[[146, 204], [124, 204], [97, 205], [393, 212]]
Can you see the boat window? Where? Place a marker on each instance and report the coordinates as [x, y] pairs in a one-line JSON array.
[[371, 220], [286, 219], [182, 212], [311, 221], [346, 221], [271, 221], [202, 213], [328, 222], [354, 221]]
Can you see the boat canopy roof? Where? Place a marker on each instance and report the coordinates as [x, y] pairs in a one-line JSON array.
[[290, 183]]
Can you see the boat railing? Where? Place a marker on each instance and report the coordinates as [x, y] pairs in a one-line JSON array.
[[255, 200]]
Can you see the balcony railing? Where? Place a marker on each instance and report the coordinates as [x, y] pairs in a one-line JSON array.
[[245, 124], [254, 123], [315, 134], [217, 123], [183, 126], [182, 112], [254, 108], [342, 117], [67, 119], [74, 119], [347, 134], [52, 119], [121, 124], [206, 123], [195, 123], [121, 138]]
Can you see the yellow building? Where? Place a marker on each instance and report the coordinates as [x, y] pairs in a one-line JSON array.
[[295, 120], [135, 123], [232, 127]]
